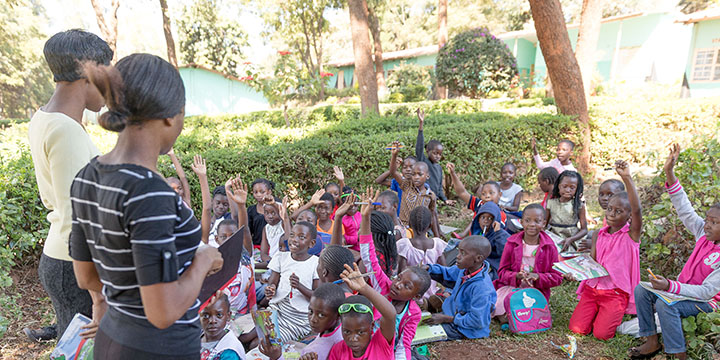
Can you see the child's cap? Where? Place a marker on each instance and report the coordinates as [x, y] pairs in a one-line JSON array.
[[490, 208]]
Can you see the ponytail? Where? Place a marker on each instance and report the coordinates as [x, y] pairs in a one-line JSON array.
[[109, 82]]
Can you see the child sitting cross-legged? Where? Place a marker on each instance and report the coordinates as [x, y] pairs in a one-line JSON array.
[[466, 313], [605, 300], [420, 249], [360, 340], [699, 278], [402, 290], [527, 260], [324, 321], [291, 284], [217, 342]]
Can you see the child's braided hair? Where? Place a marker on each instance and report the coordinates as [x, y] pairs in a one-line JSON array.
[[334, 258], [420, 219], [382, 228]]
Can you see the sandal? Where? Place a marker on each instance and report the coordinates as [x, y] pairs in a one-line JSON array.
[[634, 353]]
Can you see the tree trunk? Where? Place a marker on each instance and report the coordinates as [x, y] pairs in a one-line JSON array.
[[172, 58], [587, 40], [367, 84], [108, 26], [562, 68], [374, 23], [442, 39]]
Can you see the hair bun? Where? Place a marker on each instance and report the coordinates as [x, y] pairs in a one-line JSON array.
[[114, 120]]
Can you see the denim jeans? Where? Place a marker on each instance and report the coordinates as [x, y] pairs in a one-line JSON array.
[[647, 303]]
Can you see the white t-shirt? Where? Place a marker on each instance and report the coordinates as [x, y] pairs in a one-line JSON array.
[[273, 233], [283, 264], [508, 196]]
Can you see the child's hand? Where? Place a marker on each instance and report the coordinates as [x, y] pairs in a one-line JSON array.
[[198, 166], [346, 205], [532, 277], [353, 278], [283, 208], [450, 167], [236, 190], [309, 356], [622, 168], [315, 199], [671, 160], [270, 291], [171, 152], [566, 245], [337, 171], [569, 277], [520, 276], [533, 144], [437, 319], [450, 202], [496, 226], [274, 352], [294, 281], [368, 198], [660, 283], [421, 116], [584, 244]]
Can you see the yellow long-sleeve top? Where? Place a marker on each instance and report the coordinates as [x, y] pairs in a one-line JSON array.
[[60, 147]]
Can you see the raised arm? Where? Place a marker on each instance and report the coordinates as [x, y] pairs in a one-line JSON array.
[[181, 175], [340, 176], [314, 201], [394, 163], [536, 156], [460, 190], [623, 169], [383, 179], [237, 193], [353, 278], [287, 225], [687, 214], [420, 141], [337, 234], [200, 169]]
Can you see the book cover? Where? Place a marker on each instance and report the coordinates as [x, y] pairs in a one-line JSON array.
[[582, 267], [231, 251], [71, 346], [429, 333], [668, 297], [266, 325]]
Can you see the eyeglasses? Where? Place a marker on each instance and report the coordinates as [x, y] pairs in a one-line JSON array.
[[358, 308]]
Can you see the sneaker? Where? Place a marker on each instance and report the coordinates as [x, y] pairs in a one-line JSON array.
[[44, 334]]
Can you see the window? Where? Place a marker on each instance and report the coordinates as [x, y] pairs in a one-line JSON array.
[[706, 65]]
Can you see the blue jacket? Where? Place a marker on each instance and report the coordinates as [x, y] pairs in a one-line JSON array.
[[497, 238], [471, 303]]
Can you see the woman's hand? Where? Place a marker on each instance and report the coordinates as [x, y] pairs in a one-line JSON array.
[[198, 166], [213, 256]]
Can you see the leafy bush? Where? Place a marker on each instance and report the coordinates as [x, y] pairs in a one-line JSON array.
[[474, 63], [702, 335], [412, 81]]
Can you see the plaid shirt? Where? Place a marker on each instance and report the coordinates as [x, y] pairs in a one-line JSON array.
[[413, 197]]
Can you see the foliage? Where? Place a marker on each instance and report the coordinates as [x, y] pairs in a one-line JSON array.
[[412, 81], [702, 335], [208, 39], [691, 6], [25, 81], [475, 62]]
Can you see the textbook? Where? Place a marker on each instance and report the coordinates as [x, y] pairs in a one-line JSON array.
[[231, 251], [265, 325], [582, 267], [572, 254], [668, 297], [71, 346], [429, 333]]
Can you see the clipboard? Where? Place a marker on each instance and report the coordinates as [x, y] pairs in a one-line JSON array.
[[231, 251]]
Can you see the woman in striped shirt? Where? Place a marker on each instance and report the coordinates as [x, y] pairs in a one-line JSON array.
[[132, 236]]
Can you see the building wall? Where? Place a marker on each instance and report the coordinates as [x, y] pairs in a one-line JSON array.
[[706, 35], [208, 93]]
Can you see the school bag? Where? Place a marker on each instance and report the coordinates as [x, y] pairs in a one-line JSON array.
[[527, 311]]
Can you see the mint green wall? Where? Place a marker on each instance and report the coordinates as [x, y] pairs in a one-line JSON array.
[[208, 93], [704, 33]]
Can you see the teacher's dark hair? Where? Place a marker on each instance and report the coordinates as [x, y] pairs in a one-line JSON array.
[[138, 88], [65, 51]]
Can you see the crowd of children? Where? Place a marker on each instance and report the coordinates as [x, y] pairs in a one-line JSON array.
[[349, 273]]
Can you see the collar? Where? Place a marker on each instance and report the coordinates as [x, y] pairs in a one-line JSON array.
[[469, 276]]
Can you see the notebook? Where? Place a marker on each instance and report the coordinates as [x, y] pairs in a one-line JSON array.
[[667, 297], [429, 333], [71, 346], [582, 267]]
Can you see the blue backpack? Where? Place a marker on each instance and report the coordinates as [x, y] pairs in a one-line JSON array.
[[527, 311]]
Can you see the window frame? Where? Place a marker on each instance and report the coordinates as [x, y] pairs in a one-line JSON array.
[[714, 64]]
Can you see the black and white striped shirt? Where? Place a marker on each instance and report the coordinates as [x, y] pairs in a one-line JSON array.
[[138, 232]]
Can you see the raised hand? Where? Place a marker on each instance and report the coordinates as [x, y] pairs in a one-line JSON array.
[[283, 208], [622, 168], [237, 191], [198, 166], [368, 198], [353, 277], [394, 150], [421, 116], [670, 163], [337, 171], [450, 167], [346, 205], [171, 152], [533, 145], [315, 199]]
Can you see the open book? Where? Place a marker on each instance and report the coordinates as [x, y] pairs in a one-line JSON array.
[[428, 333], [71, 346], [667, 297], [582, 267]]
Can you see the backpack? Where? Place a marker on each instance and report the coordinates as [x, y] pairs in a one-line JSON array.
[[527, 311]]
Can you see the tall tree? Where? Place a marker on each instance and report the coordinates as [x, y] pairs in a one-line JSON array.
[[108, 25], [588, 36], [364, 73], [442, 38], [562, 68], [172, 58], [374, 23]]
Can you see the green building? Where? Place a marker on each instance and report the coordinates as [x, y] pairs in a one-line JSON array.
[[210, 92], [702, 70]]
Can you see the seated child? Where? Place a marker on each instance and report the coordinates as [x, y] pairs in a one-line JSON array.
[[294, 276], [561, 162], [546, 179], [565, 210], [699, 278], [604, 300], [421, 250], [278, 225], [180, 184], [607, 189], [332, 263], [261, 189], [309, 216], [527, 260], [415, 192], [242, 288], [511, 193], [409, 285], [324, 321], [406, 167], [487, 215], [466, 313], [389, 204], [356, 316], [434, 154], [218, 343], [335, 190]]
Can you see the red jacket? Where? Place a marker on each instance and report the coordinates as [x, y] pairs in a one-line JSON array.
[[511, 264]]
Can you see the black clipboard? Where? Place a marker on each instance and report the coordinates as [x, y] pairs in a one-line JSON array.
[[231, 251]]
